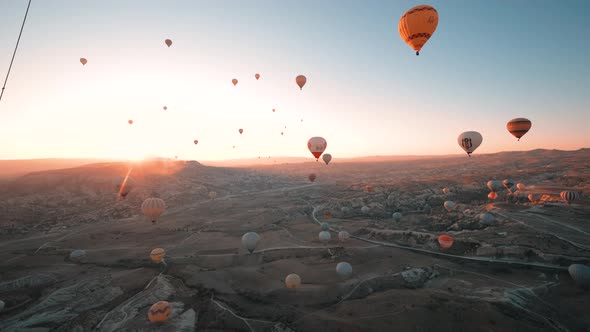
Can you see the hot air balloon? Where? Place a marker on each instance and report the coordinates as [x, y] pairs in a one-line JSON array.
[[469, 141], [325, 236], [168, 42], [569, 196], [257, 76], [325, 226], [344, 270], [165, 108], [518, 127], [513, 189], [130, 121], [83, 61], [494, 185], [534, 197], [311, 177], [580, 273], [327, 215], [486, 218], [365, 209], [250, 240], [241, 130], [159, 312], [281, 133], [369, 188], [157, 255], [317, 146], [507, 183], [234, 81], [293, 281], [196, 142], [446, 191], [397, 216], [417, 25], [520, 186], [327, 157], [343, 236], [77, 255], [153, 208], [273, 110], [212, 194], [492, 195], [445, 241], [450, 205], [300, 80]]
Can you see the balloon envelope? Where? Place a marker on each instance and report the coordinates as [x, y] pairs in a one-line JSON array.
[[508, 184], [196, 142], [317, 146], [312, 177], [343, 236], [300, 80], [569, 196], [494, 185], [327, 158], [344, 270], [153, 208], [234, 81], [325, 236], [534, 197], [450, 205], [446, 191], [241, 130], [520, 186], [159, 312], [580, 273], [83, 61], [445, 241], [492, 195], [486, 218], [250, 240], [168, 42], [469, 141], [130, 121], [77, 255], [518, 127], [325, 226], [293, 281], [397, 216], [365, 209], [417, 25], [257, 76], [157, 255]]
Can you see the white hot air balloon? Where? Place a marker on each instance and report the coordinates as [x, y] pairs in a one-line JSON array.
[[365, 209], [325, 226], [293, 281], [317, 146], [325, 237], [250, 240], [450, 205], [153, 208], [469, 141], [397, 216], [344, 270], [343, 236], [327, 158]]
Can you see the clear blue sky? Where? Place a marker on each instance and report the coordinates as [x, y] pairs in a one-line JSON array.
[[367, 93]]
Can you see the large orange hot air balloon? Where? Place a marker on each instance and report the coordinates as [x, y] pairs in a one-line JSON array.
[[300, 80], [445, 241], [492, 195], [168, 42], [83, 61], [159, 312], [257, 76], [157, 255], [417, 25], [518, 127], [234, 81]]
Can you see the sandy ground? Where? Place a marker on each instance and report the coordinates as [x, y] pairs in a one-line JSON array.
[[510, 275]]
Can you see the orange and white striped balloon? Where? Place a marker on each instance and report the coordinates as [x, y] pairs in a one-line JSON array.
[[569, 196]]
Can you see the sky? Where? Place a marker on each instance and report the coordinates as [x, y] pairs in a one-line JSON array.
[[367, 93]]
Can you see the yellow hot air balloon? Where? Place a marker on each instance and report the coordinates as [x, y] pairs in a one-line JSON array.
[[300, 80], [153, 208], [83, 61], [417, 25]]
